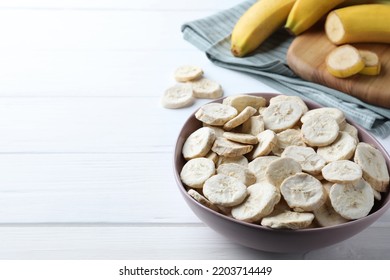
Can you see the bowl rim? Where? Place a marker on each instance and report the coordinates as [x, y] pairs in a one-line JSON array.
[[370, 218]]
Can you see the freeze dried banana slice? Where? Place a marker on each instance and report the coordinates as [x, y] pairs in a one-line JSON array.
[[178, 96], [187, 73], [288, 219], [196, 171], [320, 130], [202, 200], [267, 141], [296, 99], [351, 130], [288, 137], [303, 192], [199, 143], [281, 115], [240, 102], [280, 169], [261, 200], [215, 114], [213, 156], [352, 201], [224, 190], [242, 138], [227, 148], [242, 160], [309, 160], [242, 173], [335, 113], [374, 166], [342, 171], [205, 88], [254, 125], [259, 165], [326, 186], [326, 216], [217, 129], [242, 117], [342, 148]]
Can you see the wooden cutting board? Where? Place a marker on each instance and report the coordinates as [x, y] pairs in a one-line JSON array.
[[306, 57]]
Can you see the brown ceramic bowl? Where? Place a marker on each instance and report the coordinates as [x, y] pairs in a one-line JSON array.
[[277, 240]]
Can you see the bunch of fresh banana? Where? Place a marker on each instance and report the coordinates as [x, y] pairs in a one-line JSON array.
[[357, 21]]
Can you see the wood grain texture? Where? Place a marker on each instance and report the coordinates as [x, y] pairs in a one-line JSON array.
[[306, 57]]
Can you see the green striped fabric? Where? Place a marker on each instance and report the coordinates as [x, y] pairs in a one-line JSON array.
[[268, 64]]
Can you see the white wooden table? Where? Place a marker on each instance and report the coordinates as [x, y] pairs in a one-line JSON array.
[[85, 147]]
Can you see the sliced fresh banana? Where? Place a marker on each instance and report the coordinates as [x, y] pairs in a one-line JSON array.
[[259, 165], [196, 171], [351, 130], [261, 200], [267, 141], [242, 138], [320, 130], [224, 190], [205, 88], [342, 148], [215, 114], [335, 113], [242, 160], [227, 148], [296, 99], [303, 192], [310, 161], [199, 143], [374, 166], [187, 73], [342, 171], [254, 125], [288, 137], [280, 169], [202, 200], [242, 117], [242, 173], [326, 216], [352, 201], [240, 102], [178, 96], [281, 115], [288, 219]]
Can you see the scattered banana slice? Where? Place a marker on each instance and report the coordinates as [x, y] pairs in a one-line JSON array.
[[178, 96], [288, 219], [342, 148], [344, 61], [242, 117], [242, 160], [215, 114], [205, 88], [352, 201], [267, 141], [373, 165], [288, 137], [224, 190], [188, 73], [372, 65], [280, 169], [202, 200], [241, 138], [309, 160], [335, 113], [296, 99], [326, 216], [227, 148], [303, 192], [199, 143], [281, 115], [342, 171], [262, 198], [242, 173], [240, 102], [259, 166], [196, 171], [320, 131], [254, 125]]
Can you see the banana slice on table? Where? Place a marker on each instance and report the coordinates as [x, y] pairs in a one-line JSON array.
[[240, 102], [281, 115], [254, 125], [320, 130], [205, 88], [288, 219], [267, 141], [224, 190], [199, 143], [242, 173], [309, 160], [261, 200], [303, 192], [335, 113], [215, 114], [259, 165], [352, 201], [344, 61], [342, 148], [227, 148], [202, 200], [326, 216], [242, 117], [178, 96], [374, 166], [187, 73], [342, 171], [196, 171], [242, 138], [288, 137], [242, 160], [280, 169], [296, 99]]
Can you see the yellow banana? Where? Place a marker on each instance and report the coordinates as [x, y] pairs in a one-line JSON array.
[[372, 66], [361, 23], [257, 24], [305, 13]]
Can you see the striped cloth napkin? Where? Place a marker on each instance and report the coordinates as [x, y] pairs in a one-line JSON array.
[[268, 64]]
